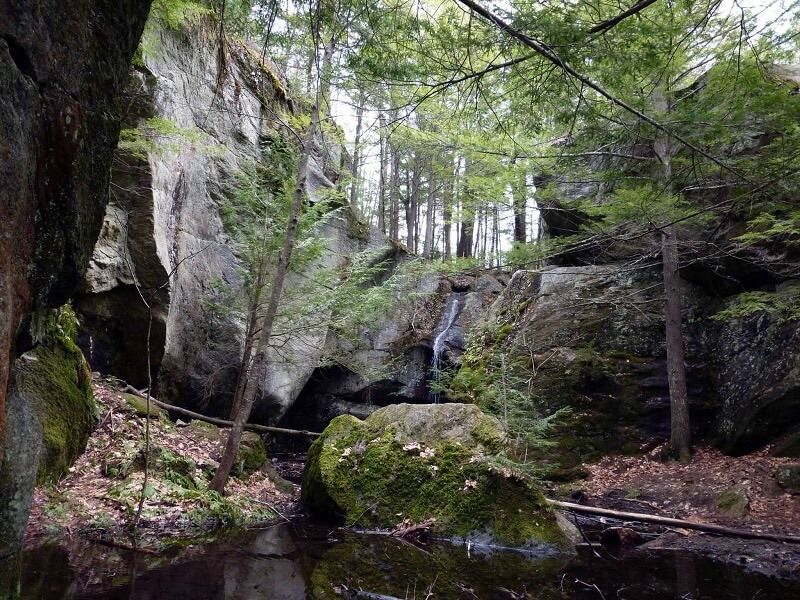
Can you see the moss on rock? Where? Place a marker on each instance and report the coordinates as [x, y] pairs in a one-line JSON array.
[[426, 461], [57, 378], [139, 406], [252, 451]]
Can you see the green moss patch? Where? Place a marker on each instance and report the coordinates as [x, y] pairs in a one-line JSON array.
[[139, 406], [57, 379], [374, 474]]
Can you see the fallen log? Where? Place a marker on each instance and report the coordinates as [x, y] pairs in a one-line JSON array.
[[670, 522], [221, 422]]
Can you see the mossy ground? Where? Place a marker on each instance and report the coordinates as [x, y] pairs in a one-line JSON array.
[[372, 479], [100, 494]]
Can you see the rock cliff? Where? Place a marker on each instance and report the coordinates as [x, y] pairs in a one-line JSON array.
[[197, 121], [60, 78]]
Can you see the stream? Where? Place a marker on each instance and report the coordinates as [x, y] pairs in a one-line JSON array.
[[303, 560]]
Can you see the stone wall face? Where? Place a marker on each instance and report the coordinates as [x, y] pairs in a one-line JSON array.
[[60, 78]]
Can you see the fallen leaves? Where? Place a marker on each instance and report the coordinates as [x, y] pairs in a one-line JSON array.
[[689, 490]]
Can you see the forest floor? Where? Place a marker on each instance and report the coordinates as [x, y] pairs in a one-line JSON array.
[[738, 492], [99, 497]]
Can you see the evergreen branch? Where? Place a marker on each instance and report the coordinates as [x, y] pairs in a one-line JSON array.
[[551, 55]]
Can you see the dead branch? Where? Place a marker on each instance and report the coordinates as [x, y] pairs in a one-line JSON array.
[[221, 422], [668, 521]]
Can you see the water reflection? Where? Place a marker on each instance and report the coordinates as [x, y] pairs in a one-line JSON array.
[[291, 562]]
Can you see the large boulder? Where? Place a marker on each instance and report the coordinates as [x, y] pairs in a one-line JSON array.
[[758, 374], [420, 462], [61, 71], [590, 340], [50, 413]]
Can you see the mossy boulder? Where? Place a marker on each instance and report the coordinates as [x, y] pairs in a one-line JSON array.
[[788, 477], [57, 379], [733, 502], [139, 406], [427, 461], [252, 451]]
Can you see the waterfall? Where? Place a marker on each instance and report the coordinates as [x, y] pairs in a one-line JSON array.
[[451, 311]]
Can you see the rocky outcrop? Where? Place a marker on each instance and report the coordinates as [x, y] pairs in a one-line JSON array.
[[392, 359], [757, 358], [198, 120], [51, 414], [591, 340], [192, 130], [60, 74], [417, 463]]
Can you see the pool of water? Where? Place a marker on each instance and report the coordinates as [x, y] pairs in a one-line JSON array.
[[295, 561]]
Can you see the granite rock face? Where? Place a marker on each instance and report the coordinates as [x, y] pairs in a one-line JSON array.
[[61, 73], [203, 123]]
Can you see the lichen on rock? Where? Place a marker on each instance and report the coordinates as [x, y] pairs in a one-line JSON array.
[[431, 461]]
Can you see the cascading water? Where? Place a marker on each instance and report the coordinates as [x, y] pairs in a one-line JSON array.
[[451, 311]]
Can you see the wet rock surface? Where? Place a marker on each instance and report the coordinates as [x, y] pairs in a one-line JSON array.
[[297, 561]]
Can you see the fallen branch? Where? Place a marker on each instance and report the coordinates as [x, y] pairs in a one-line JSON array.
[[221, 422], [668, 521], [409, 529]]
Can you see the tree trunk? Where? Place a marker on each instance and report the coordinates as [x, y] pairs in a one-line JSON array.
[[484, 247], [394, 192], [496, 234], [255, 373], [447, 218], [464, 249], [382, 174], [680, 431], [409, 213], [467, 218], [430, 208], [519, 193], [357, 154]]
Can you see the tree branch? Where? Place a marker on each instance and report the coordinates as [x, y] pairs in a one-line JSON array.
[[606, 25], [552, 56]]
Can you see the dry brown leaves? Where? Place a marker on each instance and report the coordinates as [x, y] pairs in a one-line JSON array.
[[689, 491], [82, 501]]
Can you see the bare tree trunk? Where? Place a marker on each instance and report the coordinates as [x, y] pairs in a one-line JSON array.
[[382, 175], [466, 218], [430, 216], [412, 203], [476, 250], [447, 218], [495, 235], [485, 234], [255, 372], [357, 153], [409, 214], [680, 431], [464, 249], [519, 193], [394, 199]]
